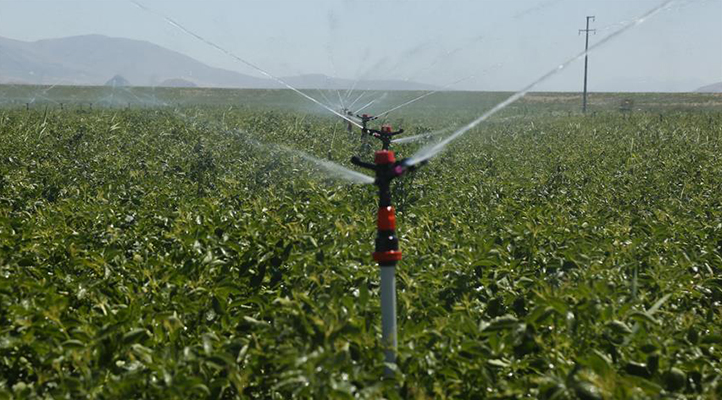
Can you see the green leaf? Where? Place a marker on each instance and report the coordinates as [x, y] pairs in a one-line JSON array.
[[135, 336]]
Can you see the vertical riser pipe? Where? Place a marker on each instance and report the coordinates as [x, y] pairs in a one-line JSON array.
[[388, 315]]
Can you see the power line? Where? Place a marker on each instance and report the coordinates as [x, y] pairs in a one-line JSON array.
[[586, 60]]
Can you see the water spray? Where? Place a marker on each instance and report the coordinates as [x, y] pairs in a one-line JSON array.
[[370, 103], [187, 31], [421, 136], [328, 102], [350, 106], [430, 151], [425, 95], [331, 169], [343, 104]]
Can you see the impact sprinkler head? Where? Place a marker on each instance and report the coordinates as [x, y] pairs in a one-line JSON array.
[[386, 168], [385, 134], [365, 119]]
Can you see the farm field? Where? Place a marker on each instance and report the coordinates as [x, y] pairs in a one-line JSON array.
[[170, 244], [81, 97]]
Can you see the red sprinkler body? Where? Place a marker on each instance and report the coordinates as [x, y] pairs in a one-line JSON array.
[[385, 134], [387, 253]]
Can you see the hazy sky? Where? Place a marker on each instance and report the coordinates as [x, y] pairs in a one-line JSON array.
[[505, 44]]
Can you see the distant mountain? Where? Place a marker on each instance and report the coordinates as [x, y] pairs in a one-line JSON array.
[[177, 83], [713, 88], [93, 59], [96, 60], [117, 81]]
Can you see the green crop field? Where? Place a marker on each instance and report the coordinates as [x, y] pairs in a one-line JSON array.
[[169, 244]]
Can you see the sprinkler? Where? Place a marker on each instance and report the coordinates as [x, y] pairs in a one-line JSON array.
[[348, 113], [387, 253], [384, 135], [365, 119]]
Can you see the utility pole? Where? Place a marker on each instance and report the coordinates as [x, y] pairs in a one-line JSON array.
[[586, 61]]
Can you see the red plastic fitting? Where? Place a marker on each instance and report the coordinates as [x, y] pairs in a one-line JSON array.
[[387, 256], [386, 219], [384, 157]]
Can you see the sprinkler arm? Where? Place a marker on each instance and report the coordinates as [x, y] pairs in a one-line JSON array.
[[379, 134], [384, 135], [355, 160], [400, 167], [384, 175]]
